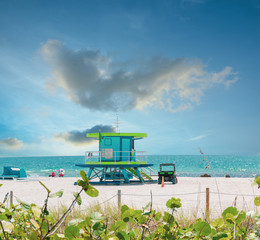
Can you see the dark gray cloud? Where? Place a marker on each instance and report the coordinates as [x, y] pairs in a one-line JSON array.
[[11, 143], [96, 82], [80, 137]]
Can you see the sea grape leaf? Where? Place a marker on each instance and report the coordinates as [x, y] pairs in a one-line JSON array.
[[75, 221], [173, 203], [97, 226], [72, 232], [3, 217], [126, 218], [132, 234], [124, 208], [257, 201], [137, 213], [241, 216], [83, 184], [230, 218], [24, 205], [84, 176], [98, 229], [96, 217], [168, 218], [57, 194], [142, 220], [50, 218], [34, 223], [203, 228], [231, 210], [120, 225], [85, 223], [146, 210], [8, 227], [147, 206], [47, 189], [122, 235], [91, 191], [220, 235], [36, 211], [218, 222], [79, 201], [158, 216], [34, 236], [127, 215], [44, 228]]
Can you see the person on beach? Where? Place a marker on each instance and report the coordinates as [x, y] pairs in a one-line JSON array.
[[52, 174], [61, 172]]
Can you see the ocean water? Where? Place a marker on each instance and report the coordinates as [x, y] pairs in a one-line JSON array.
[[186, 165]]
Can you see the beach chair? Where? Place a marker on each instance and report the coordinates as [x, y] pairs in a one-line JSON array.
[[13, 173]]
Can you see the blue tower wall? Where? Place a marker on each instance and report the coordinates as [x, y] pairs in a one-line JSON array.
[[116, 148]]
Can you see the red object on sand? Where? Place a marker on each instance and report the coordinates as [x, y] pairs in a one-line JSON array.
[[53, 174]]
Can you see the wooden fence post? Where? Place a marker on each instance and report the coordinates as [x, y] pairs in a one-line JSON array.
[[11, 198], [151, 193], [119, 199], [207, 203]]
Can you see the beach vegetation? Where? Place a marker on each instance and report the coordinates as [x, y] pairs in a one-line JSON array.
[[26, 221]]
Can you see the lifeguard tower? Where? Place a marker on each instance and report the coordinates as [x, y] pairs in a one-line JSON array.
[[117, 161]]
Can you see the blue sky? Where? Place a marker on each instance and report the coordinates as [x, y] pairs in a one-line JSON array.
[[186, 72]]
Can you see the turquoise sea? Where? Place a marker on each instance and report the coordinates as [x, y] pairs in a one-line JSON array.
[[186, 165]]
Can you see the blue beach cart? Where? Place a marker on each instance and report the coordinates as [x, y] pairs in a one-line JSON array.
[[11, 173]]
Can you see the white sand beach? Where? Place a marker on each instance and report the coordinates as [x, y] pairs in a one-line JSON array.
[[224, 192]]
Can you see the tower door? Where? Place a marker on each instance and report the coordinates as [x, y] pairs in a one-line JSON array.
[[126, 149]]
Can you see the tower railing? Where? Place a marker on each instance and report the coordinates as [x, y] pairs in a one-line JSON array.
[[115, 157]]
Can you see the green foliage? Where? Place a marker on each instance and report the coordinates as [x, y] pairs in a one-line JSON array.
[[48, 190], [78, 198], [29, 222], [257, 181], [257, 201], [72, 232], [57, 194], [202, 228], [173, 203]]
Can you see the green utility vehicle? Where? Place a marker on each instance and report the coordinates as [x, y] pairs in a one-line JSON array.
[[167, 170]]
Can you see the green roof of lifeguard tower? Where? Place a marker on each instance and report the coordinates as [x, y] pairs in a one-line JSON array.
[[136, 135]]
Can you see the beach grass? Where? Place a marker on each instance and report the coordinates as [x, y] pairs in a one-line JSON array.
[[112, 214]]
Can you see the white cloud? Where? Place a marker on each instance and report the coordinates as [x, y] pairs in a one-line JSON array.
[[198, 137], [11, 144], [96, 82]]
